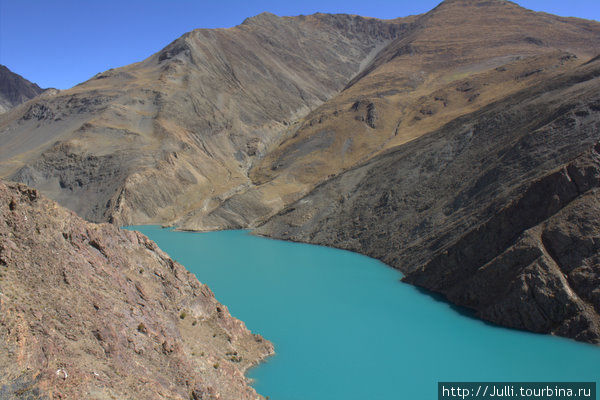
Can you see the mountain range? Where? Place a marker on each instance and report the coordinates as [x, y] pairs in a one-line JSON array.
[[460, 146]]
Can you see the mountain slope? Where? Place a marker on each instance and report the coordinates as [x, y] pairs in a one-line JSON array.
[[223, 128], [179, 131], [92, 311], [497, 209], [14, 89], [455, 59]]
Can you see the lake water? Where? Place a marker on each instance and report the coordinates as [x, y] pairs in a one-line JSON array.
[[345, 328]]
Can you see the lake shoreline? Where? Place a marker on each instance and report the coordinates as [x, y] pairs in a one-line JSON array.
[[304, 298]]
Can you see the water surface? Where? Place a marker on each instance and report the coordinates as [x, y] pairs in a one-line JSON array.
[[345, 328]]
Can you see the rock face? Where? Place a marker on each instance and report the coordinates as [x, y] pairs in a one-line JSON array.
[[177, 132], [497, 210], [94, 312], [14, 89]]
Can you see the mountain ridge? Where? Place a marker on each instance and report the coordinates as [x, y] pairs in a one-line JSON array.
[[189, 138], [245, 99], [409, 90]]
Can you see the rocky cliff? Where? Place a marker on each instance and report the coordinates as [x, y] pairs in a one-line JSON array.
[[94, 312], [497, 210], [14, 89]]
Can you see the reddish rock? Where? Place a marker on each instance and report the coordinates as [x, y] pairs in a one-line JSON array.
[[92, 311]]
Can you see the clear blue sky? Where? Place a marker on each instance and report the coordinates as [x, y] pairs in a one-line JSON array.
[[59, 43]]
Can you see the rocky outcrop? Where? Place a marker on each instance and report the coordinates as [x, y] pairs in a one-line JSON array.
[[496, 210], [92, 311], [535, 265], [14, 89]]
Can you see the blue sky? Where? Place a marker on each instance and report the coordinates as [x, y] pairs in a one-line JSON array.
[[59, 43]]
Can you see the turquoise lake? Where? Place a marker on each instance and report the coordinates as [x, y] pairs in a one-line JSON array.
[[345, 328]]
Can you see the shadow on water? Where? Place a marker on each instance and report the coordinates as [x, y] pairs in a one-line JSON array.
[[463, 311], [440, 298], [471, 314]]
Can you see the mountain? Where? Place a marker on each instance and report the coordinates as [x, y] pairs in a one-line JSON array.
[[223, 128], [14, 89], [459, 146], [497, 210], [453, 60], [177, 132], [92, 311]]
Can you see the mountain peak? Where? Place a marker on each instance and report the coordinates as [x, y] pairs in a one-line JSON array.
[[264, 16], [14, 89], [481, 4]]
